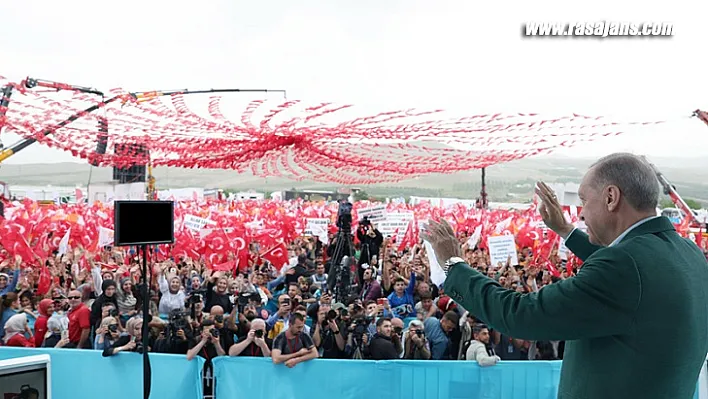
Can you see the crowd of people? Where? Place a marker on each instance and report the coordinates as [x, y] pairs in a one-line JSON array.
[[291, 314]]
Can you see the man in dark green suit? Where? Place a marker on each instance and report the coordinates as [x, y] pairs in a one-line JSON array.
[[635, 317]]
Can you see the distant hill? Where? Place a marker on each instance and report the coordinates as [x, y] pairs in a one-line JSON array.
[[512, 181]]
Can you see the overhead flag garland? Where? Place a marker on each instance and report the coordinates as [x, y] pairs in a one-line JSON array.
[[338, 143]]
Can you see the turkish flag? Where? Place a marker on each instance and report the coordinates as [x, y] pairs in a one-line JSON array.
[[227, 266], [278, 255], [409, 239]]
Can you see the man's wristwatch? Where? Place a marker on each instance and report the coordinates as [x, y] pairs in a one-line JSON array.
[[450, 262]]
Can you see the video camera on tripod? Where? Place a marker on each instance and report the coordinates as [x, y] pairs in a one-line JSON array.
[[178, 320], [339, 279], [344, 216]]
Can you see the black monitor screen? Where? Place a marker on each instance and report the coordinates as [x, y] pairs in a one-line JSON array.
[[144, 222], [25, 384]]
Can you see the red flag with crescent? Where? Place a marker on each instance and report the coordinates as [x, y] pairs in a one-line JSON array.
[[277, 255]]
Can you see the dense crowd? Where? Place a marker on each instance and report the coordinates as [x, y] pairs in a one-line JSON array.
[[290, 313]]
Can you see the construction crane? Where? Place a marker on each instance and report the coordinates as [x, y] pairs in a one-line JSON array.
[[670, 190], [30, 83]]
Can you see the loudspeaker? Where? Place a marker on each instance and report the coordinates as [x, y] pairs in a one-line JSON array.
[[136, 172], [101, 139], [144, 223]]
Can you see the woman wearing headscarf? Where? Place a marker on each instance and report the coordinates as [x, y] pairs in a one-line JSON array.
[[127, 302], [57, 333], [46, 308], [107, 296], [172, 293], [15, 330]]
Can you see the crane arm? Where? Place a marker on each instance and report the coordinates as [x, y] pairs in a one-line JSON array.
[[31, 83]]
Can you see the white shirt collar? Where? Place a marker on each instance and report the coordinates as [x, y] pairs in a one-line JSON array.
[[632, 227]]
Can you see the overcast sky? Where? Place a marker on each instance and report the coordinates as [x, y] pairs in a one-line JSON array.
[[385, 54]]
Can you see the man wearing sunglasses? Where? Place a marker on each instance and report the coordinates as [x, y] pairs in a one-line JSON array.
[[79, 322]]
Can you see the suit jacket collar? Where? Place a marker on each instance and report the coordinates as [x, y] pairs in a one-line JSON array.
[[656, 225]]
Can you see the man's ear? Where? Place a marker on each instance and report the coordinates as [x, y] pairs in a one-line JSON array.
[[612, 197]]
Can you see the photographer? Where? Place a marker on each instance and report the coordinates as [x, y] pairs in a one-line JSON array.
[[107, 334], [276, 322], [208, 347], [246, 316], [328, 333], [175, 337], [358, 337], [226, 335], [371, 240], [255, 344], [386, 344], [416, 346], [132, 342]]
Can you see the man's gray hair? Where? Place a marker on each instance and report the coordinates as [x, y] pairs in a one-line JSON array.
[[632, 175]]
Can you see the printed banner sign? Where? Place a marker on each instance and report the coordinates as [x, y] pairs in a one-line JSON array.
[[315, 225], [195, 223], [395, 222], [500, 248], [374, 213]]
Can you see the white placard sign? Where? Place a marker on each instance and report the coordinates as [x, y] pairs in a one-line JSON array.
[[374, 213], [315, 224], [500, 248], [402, 216], [390, 228], [393, 222], [195, 223]]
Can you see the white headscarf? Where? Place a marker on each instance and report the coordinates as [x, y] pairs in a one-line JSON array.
[[54, 325], [15, 325]]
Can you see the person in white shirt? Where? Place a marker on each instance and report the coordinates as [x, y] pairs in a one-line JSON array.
[[478, 351]]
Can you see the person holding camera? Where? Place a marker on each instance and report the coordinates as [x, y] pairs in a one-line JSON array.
[[357, 338], [385, 345], [415, 345], [371, 240], [223, 326], [255, 344], [276, 322], [131, 342], [328, 333], [107, 333], [208, 347]]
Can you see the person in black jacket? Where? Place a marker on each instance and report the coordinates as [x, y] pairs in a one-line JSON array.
[[217, 294], [108, 296], [207, 345], [385, 345], [370, 239]]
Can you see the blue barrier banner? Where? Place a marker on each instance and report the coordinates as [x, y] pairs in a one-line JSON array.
[[86, 374], [355, 379]]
